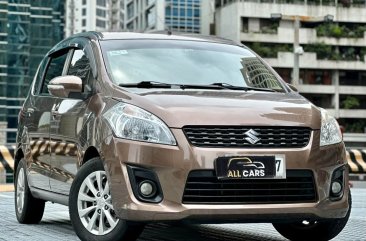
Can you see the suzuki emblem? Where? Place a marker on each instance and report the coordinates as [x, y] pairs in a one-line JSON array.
[[252, 136]]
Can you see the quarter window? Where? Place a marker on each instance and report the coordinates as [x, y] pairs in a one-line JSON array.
[[55, 68], [39, 75], [79, 65]]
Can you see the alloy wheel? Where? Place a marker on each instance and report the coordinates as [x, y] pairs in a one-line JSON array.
[[95, 204], [20, 190]]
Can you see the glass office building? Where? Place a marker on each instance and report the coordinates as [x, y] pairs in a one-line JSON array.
[[149, 15], [183, 15], [28, 29]]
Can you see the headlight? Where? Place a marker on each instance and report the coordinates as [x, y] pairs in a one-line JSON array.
[[330, 132], [134, 123]]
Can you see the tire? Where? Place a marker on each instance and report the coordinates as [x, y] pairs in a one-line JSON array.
[[28, 210], [321, 230], [90, 202]]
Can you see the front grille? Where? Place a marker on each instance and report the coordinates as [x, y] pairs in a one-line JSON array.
[[203, 187], [235, 136]]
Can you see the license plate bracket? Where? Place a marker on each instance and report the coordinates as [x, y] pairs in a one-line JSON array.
[[250, 167]]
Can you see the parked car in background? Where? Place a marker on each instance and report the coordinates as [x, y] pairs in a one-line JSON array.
[[128, 129]]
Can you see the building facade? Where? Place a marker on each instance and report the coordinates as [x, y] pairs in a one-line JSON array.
[[134, 15], [333, 65], [28, 30], [95, 15], [173, 15]]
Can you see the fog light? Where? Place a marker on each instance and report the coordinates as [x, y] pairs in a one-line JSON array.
[[337, 184], [147, 188], [336, 188], [145, 184]]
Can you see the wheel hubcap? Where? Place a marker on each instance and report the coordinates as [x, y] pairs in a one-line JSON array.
[[20, 190], [95, 205]]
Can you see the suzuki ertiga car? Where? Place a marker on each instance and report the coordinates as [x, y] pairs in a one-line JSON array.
[[128, 129]]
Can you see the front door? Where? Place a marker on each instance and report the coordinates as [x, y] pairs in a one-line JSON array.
[[67, 119], [38, 114]]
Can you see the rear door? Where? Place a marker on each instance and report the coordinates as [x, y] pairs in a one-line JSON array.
[[67, 120], [38, 112]]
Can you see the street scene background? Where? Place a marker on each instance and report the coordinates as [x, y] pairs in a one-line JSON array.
[[319, 46]]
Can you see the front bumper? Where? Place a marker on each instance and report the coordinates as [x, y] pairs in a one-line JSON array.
[[173, 163]]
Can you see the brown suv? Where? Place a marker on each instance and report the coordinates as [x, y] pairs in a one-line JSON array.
[[129, 129]]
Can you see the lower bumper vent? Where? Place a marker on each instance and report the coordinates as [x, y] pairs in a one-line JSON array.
[[203, 187]]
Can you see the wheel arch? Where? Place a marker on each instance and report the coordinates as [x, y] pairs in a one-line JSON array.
[[19, 154], [90, 153]]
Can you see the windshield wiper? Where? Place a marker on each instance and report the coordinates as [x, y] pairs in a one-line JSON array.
[[147, 84], [155, 84], [245, 88]]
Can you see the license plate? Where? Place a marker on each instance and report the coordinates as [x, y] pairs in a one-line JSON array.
[[253, 167]]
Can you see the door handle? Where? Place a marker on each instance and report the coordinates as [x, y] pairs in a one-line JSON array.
[[54, 114], [29, 111], [55, 107]]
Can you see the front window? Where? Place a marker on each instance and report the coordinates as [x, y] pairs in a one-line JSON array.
[[186, 63]]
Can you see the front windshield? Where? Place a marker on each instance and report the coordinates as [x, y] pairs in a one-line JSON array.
[[185, 63]]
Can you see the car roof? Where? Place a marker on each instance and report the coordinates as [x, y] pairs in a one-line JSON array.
[[160, 35], [155, 35]]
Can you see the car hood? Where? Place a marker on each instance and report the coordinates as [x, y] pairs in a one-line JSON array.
[[178, 108]]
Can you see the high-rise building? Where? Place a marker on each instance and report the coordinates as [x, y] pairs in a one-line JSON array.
[[333, 64], [28, 30], [141, 16], [175, 15], [135, 15], [92, 15]]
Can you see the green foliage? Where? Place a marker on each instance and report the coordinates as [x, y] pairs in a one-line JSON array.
[[322, 50], [356, 127], [349, 54], [261, 50], [362, 54], [359, 31], [340, 31], [350, 102], [336, 31], [269, 50], [327, 52], [270, 29]]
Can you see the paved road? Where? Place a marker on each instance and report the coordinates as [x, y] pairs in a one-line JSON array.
[[56, 225]]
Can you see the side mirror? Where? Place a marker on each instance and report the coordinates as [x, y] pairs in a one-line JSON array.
[[62, 86], [293, 87]]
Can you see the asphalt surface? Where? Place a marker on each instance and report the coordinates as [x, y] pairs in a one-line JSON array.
[[56, 225]]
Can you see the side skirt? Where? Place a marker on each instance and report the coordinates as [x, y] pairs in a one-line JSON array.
[[50, 196]]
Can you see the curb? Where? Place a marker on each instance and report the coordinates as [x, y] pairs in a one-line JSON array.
[[357, 177]]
